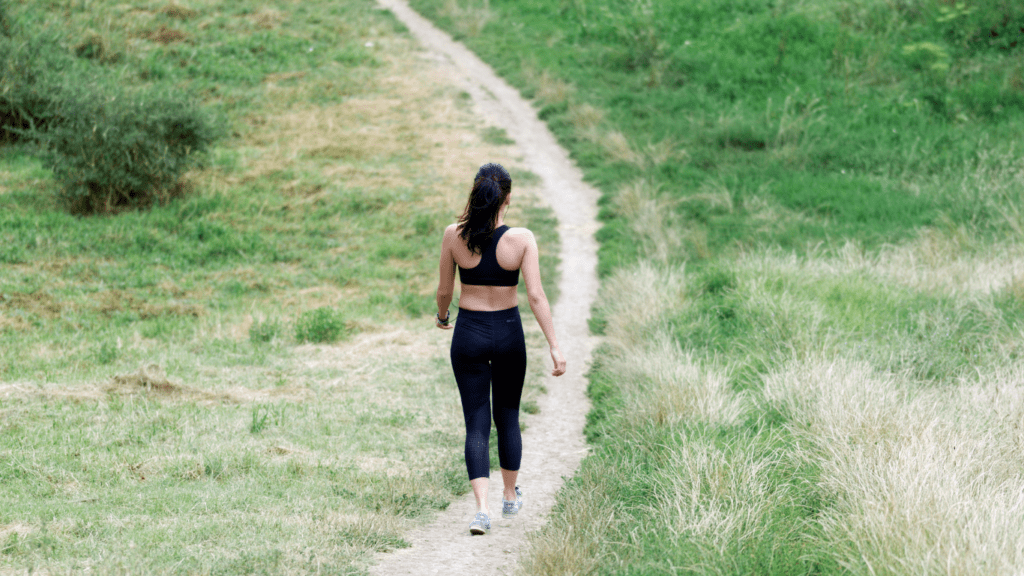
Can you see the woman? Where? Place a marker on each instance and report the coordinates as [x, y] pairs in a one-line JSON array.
[[488, 350]]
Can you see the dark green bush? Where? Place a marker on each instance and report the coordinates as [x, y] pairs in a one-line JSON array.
[[33, 74], [111, 152], [322, 325], [110, 149]]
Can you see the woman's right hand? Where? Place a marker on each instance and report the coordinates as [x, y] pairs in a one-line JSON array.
[[559, 360]]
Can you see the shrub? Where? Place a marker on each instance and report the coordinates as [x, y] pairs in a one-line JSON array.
[[110, 149], [111, 152], [322, 325], [263, 331], [33, 75], [636, 27]]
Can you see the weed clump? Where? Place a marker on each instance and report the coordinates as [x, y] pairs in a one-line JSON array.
[[263, 331], [320, 326], [94, 46]]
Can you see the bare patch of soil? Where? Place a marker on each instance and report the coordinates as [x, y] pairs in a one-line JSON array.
[[22, 530], [171, 309], [153, 380], [13, 323], [113, 301], [267, 19], [178, 11], [171, 288], [165, 35], [38, 303], [95, 46]]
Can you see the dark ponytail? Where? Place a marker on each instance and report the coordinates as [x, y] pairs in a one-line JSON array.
[[491, 187]]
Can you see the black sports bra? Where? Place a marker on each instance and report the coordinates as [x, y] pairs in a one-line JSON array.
[[488, 272]]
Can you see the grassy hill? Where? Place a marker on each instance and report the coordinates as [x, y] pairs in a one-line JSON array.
[[812, 262], [246, 378]]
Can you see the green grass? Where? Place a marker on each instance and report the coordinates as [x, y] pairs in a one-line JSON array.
[[816, 111], [151, 482], [172, 400], [817, 184], [733, 479]]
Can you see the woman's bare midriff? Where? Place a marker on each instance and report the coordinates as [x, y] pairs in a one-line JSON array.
[[487, 298]]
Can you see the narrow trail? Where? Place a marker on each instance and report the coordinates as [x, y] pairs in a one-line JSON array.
[[553, 442]]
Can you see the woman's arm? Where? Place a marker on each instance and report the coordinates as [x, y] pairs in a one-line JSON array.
[[539, 301], [446, 276]]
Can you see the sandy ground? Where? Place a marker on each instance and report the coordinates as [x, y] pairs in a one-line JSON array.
[[553, 443]]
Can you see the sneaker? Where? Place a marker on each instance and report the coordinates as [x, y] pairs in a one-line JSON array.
[[480, 524], [510, 509]]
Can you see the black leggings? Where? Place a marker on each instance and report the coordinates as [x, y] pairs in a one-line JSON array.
[[489, 357]]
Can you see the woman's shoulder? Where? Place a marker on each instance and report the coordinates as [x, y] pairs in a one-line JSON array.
[[520, 235], [520, 239], [451, 234], [519, 232]]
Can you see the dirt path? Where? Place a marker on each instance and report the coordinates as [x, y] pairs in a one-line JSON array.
[[553, 443]]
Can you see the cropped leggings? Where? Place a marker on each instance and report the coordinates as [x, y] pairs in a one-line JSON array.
[[489, 360]]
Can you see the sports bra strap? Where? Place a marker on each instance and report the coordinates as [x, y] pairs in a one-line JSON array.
[[488, 272]]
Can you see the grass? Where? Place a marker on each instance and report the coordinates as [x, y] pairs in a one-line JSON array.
[[810, 218], [161, 411], [792, 416], [757, 112]]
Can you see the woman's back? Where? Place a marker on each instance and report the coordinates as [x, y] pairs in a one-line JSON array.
[[487, 277]]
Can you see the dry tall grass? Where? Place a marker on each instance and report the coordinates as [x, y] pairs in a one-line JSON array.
[[641, 295], [654, 223], [915, 479], [470, 19], [672, 388], [572, 544], [585, 117], [953, 262], [923, 480], [740, 503], [550, 90]]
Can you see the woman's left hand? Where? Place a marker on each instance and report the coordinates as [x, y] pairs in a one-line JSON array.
[[443, 325]]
